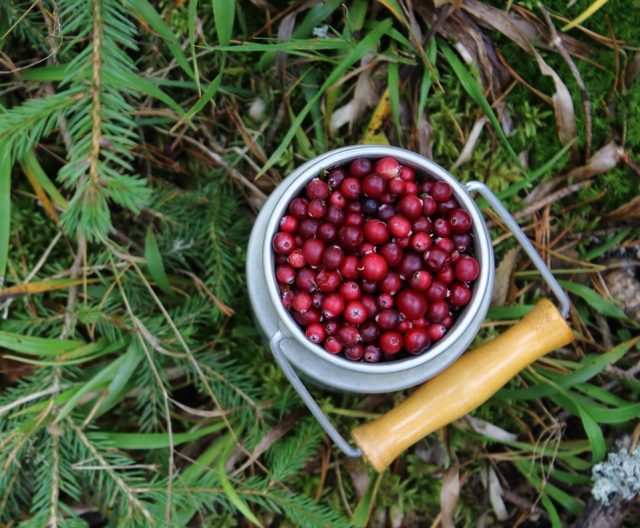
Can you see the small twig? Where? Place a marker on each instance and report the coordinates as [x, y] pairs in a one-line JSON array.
[[550, 199]]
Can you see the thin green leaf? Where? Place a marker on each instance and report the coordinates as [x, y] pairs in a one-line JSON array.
[[393, 82], [117, 388], [525, 469], [363, 510], [427, 78], [200, 103], [30, 163], [159, 440], [191, 24], [37, 346], [5, 208], [224, 12], [595, 300], [154, 262], [509, 312], [613, 242], [594, 433]]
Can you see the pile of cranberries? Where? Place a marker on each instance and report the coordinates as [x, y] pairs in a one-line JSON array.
[[372, 263]]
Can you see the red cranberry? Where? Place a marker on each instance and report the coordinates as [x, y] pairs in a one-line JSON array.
[[388, 319], [348, 335], [462, 242], [285, 274], [391, 283], [308, 227], [385, 301], [317, 208], [370, 207], [335, 177], [410, 188], [365, 247], [332, 257], [385, 212], [355, 312], [327, 232], [426, 186], [306, 280], [354, 207], [441, 191], [360, 167], [316, 299], [369, 331], [403, 242], [315, 333], [390, 342], [446, 276], [332, 305], [436, 259], [416, 340], [420, 323], [351, 188], [316, 189], [404, 326], [375, 231], [460, 295], [288, 223], [387, 198], [331, 326], [397, 186], [335, 215], [373, 185], [410, 263], [349, 267], [373, 267], [332, 345], [429, 205], [350, 291], [369, 302], [410, 206], [296, 258], [420, 280], [354, 353], [298, 207], [327, 280], [372, 354], [283, 243], [312, 251], [354, 219], [337, 200], [421, 225], [399, 226], [446, 244], [407, 174], [392, 253], [437, 311], [350, 237], [460, 221], [301, 301], [420, 242], [442, 228], [306, 318], [445, 208], [436, 331], [467, 269], [281, 259], [436, 292], [447, 322], [411, 304], [287, 299], [368, 287], [388, 168]]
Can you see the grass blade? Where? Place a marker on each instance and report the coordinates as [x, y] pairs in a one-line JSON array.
[[595, 300], [5, 208], [116, 390], [224, 12], [200, 103], [191, 23], [32, 168], [585, 14], [37, 346], [154, 262], [159, 440]]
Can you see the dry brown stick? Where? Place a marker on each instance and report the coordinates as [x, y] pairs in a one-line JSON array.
[[552, 198]]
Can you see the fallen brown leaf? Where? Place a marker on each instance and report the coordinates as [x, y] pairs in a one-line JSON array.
[[449, 494], [504, 271], [626, 212]]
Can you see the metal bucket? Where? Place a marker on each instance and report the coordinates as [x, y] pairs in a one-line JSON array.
[[288, 342]]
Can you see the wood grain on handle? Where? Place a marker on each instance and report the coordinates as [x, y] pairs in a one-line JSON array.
[[465, 385]]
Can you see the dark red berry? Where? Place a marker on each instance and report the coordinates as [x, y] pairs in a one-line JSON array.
[[332, 305], [404, 325], [288, 223], [351, 188], [447, 322], [445, 208], [316, 189], [368, 287], [375, 231], [372, 354], [315, 333], [441, 191], [397, 186], [331, 326], [421, 225], [429, 205], [301, 301], [365, 247], [355, 312], [373, 185], [420, 242], [442, 227], [335, 177], [354, 353], [390, 342], [296, 258], [312, 250], [327, 280], [350, 291], [373, 267], [354, 219], [407, 174], [391, 283], [316, 299], [460, 295], [317, 208], [416, 340], [349, 267], [392, 253], [332, 257], [460, 221], [360, 167], [306, 280], [385, 212], [369, 302], [411, 188], [388, 319], [462, 242], [350, 237], [437, 311], [385, 301], [287, 299], [335, 215], [354, 207], [436, 331], [446, 276], [467, 269], [337, 200], [388, 168], [411, 304], [348, 335], [369, 331], [298, 207], [436, 259], [436, 292], [285, 274], [399, 226], [283, 243], [410, 263], [420, 280], [332, 345], [308, 227], [445, 244], [327, 232], [410, 206], [306, 318]]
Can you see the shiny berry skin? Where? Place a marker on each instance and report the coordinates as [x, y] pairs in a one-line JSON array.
[[288, 223], [403, 242], [327, 280], [306, 318], [437, 311], [411, 188], [404, 326], [354, 219], [369, 302], [373, 185], [441, 191], [360, 167], [426, 186], [410, 206], [351, 188], [420, 280], [397, 186], [390, 342], [369, 331], [280, 259], [466, 269], [332, 305], [385, 301], [445, 208], [298, 207], [312, 250], [388, 319], [436, 260], [283, 243], [296, 258], [354, 353], [446, 244], [436, 331], [327, 232], [442, 227], [391, 283], [372, 354], [337, 200], [373, 267], [420, 242], [285, 274], [407, 174], [317, 208], [354, 207], [411, 304], [462, 242], [316, 189], [429, 205], [308, 227], [331, 326], [349, 267], [368, 287], [332, 257], [335, 215], [399, 226], [301, 301], [421, 225], [460, 295], [348, 335], [350, 237], [385, 212], [375, 231], [392, 253], [350, 291], [316, 299], [287, 299], [315, 333], [335, 177], [436, 292], [387, 168], [355, 312], [410, 263], [460, 221], [306, 280], [447, 322], [416, 340], [446, 276], [332, 345]]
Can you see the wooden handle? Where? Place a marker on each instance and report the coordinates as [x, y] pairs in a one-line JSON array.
[[465, 385]]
